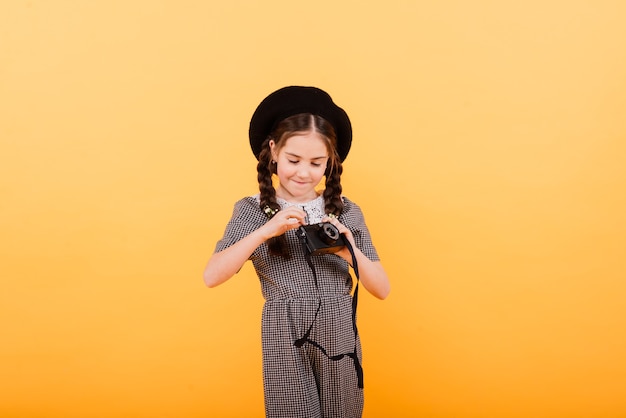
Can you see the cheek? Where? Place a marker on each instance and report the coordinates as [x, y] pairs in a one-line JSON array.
[[319, 172], [283, 170]]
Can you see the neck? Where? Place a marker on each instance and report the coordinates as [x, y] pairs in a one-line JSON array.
[[296, 199]]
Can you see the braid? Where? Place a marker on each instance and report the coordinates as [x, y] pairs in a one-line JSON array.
[[264, 176], [332, 191], [265, 167], [302, 122]]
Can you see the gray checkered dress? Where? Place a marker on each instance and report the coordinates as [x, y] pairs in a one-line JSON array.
[[303, 381]]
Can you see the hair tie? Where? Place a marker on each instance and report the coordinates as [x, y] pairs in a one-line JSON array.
[[269, 211]]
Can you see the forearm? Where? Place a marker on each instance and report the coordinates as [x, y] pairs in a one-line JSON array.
[[371, 274], [225, 264]]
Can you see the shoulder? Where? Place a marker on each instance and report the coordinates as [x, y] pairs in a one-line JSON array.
[[351, 210], [247, 207], [248, 201], [349, 205]]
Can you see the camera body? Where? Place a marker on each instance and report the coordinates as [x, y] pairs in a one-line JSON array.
[[322, 238]]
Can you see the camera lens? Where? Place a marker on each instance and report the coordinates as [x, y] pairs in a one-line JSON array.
[[329, 233]]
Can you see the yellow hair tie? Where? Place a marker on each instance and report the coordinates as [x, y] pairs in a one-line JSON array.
[[269, 211]]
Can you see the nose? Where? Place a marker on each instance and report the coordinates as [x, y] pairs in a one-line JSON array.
[[302, 172]]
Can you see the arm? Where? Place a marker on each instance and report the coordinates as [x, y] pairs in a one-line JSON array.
[[224, 264], [371, 273]]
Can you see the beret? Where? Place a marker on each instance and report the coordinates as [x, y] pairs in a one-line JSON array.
[[292, 100]]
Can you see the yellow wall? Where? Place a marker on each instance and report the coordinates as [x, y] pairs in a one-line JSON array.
[[489, 159]]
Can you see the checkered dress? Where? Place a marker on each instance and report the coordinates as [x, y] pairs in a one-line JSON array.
[[302, 381]]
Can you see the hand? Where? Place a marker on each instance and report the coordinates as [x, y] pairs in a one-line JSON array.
[[344, 252], [283, 221]]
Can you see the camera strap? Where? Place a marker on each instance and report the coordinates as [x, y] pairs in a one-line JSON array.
[[355, 297]]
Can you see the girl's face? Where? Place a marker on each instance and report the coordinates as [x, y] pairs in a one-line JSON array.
[[300, 166]]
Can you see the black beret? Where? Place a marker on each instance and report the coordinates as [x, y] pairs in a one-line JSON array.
[[292, 100]]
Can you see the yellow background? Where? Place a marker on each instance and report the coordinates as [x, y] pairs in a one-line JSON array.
[[489, 159]]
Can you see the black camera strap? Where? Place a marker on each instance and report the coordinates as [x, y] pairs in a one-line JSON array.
[[355, 297]]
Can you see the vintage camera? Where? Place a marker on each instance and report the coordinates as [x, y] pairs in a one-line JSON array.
[[322, 238]]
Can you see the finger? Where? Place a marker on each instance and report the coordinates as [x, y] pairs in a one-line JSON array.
[[301, 213], [292, 222], [333, 221], [298, 214]]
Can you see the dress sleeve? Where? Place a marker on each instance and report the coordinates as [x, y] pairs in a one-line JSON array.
[[352, 217], [246, 218]]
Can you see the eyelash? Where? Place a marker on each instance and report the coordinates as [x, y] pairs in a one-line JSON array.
[[313, 164]]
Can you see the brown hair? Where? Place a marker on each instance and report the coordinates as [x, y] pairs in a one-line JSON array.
[[302, 122]]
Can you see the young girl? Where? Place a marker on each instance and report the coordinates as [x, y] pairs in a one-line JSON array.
[[311, 348]]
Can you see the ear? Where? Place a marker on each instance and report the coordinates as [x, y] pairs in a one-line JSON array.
[[272, 145]]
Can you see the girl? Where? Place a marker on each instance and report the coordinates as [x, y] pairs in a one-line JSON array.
[[311, 348]]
